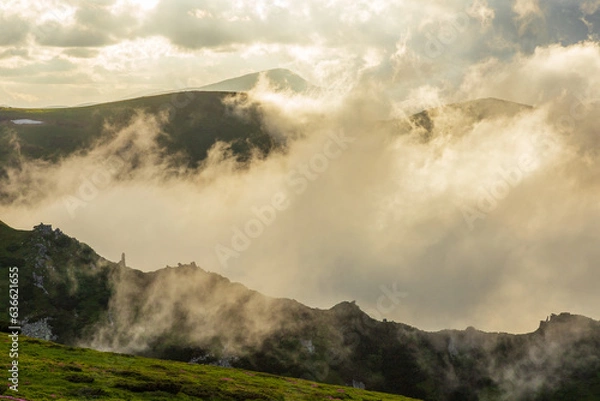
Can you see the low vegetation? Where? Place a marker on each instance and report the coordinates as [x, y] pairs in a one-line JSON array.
[[50, 371]]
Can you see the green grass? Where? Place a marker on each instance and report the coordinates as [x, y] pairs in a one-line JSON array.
[[49, 371], [196, 121]]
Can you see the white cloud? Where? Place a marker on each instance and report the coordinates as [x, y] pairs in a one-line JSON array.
[[482, 12], [526, 8], [514, 79], [318, 39], [590, 6]]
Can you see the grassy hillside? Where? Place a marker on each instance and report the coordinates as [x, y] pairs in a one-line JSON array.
[[50, 371], [196, 121], [71, 295]]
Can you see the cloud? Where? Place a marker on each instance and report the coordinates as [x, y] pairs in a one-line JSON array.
[[14, 31], [526, 9], [550, 79], [14, 52], [55, 65], [81, 52], [89, 24], [590, 6], [481, 11], [319, 40], [74, 36]]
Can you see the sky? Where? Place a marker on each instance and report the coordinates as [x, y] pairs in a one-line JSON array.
[[492, 223], [61, 52]]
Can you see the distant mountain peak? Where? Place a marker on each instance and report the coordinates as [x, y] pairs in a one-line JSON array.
[[280, 79], [346, 308]]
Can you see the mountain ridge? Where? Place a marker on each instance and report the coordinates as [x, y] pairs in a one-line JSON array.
[[76, 297], [195, 122]]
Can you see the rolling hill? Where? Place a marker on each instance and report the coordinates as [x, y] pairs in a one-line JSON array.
[[196, 120]]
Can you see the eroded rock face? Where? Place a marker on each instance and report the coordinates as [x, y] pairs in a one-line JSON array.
[[64, 285], [39, 329]]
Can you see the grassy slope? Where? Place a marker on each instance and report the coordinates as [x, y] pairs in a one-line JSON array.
[[50, 371], [197, 120]]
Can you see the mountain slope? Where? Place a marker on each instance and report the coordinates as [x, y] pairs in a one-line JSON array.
[[195, 121], [184, 313], [54, 372], [168, 135], [64, 286]]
